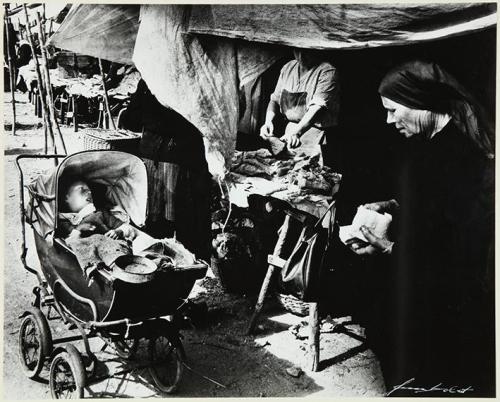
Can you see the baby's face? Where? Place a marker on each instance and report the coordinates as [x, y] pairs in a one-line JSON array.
[[77, 197]]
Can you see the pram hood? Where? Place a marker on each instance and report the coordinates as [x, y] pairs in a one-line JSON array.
[[123, 175]]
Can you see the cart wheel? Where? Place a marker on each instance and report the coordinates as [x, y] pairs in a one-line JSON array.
[[167, 364], [67, 374], [35, 342], [126, 348]]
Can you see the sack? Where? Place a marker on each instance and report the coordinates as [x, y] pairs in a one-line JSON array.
[[302, 272]]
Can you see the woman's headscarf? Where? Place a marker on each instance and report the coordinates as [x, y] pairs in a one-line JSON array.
[[426, 86]]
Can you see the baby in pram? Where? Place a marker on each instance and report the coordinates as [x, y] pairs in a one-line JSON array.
[[85, 220], [98, 237]]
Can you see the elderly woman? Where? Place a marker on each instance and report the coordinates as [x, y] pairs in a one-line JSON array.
[[432, 318], [306, 97]]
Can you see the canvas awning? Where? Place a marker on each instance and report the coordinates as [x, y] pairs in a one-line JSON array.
[[106, 31], [190, 61], [341, 26]]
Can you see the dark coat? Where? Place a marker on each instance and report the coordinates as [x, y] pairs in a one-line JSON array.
[[432, 316]]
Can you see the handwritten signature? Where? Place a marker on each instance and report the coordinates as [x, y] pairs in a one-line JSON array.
[[438, 387]]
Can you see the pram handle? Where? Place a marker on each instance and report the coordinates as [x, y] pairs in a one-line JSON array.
[[23, 217]]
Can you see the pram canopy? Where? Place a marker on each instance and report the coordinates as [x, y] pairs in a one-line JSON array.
[[122, 175]]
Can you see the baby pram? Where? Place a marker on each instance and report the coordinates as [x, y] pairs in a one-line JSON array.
[[119, 311]]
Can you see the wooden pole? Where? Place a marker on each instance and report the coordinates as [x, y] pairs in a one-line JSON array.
[[46, 118], [46, 145], [11, 71], [106, 99], [314, 336], [41, 24], [269, 274], [50, 96]]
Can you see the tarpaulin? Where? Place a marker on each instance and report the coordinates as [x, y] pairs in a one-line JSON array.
[[106, 31], [122, 174], [340, 26], [190, 61], [197, 78]]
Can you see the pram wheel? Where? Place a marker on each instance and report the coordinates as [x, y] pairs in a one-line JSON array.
[[166, 364], [126, 348], [67, 374], [35, 342]]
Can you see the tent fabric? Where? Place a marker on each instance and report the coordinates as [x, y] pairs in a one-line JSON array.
[[122, 174], [341, 26], [105, 31], [197, 78], [190, 60], [253, 59]]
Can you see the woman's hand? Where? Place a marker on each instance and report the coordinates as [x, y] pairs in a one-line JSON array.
[[292, 138], [267, 130], [375, 245], [388, 206]]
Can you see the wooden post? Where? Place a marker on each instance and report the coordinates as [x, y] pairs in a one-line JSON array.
[[46, 144], [100, 116], [75, 113], [35, 101], [269, 274], [21, 31], [260, 300], [314, 336], [11, 71], [46, 118], [38, 106], [48, 86], [106, 99]]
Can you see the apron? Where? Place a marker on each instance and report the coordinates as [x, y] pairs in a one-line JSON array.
[[294, 106]]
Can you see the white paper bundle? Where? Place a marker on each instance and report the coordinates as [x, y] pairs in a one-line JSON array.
[[376, 222]]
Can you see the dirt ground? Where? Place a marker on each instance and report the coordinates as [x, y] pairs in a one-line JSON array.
[[222, 361]]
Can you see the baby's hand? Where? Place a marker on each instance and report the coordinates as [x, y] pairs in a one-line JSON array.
[[86, 229], [114, 234], [75, 234]]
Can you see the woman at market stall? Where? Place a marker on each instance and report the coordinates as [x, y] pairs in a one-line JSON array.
[[431, 313], [306, 98]]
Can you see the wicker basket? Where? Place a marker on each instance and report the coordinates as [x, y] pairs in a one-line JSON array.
[[122, 140], [293, 305]]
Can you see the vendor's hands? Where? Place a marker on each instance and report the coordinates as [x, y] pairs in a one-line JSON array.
[[267, 130], [388, 206], [292, 138], [375, 245], [114, 234]]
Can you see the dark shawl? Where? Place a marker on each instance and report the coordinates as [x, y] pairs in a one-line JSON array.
[[426, 86]]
